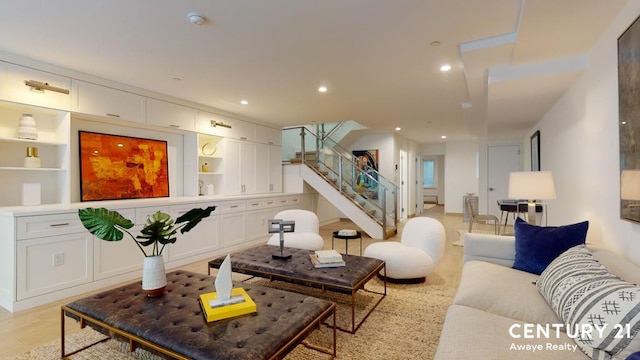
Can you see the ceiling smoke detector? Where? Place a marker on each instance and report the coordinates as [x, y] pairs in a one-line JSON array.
[[196, 18]]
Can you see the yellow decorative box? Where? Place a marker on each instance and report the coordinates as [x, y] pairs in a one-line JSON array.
[[227, 311]]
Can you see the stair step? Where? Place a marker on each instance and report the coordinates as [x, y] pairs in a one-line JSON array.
[[371, 212], [391, 232]]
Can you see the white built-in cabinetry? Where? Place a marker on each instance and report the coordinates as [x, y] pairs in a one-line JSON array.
[[47, 255], [98, 100]]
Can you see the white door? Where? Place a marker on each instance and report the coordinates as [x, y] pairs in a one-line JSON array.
[[501, 160]]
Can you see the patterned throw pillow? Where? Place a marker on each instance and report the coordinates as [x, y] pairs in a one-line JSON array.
[[586, 296]]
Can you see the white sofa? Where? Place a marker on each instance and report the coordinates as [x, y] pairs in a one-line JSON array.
[[493, 298]]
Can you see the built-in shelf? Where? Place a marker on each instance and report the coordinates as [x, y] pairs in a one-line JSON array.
[[28, 141]]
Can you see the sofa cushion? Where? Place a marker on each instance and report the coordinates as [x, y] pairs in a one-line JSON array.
[[584, 293], [475, 334], [537, 246], [503, 291]]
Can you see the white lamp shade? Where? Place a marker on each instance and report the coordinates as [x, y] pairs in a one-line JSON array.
[[630, 185], [531, 185]]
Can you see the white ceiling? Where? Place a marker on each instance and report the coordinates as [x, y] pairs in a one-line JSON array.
[[511, 59]]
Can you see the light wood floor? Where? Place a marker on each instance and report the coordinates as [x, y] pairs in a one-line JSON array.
[[22, 331]]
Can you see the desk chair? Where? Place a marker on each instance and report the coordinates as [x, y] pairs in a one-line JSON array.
[[475, 217]]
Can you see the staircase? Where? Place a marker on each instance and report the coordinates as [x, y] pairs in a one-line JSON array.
[[363, 195]]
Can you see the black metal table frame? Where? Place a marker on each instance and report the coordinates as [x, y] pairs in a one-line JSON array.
[[346, 239], [135, 341], [324, 286]]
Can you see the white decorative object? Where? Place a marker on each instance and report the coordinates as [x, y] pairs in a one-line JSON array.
[[31, 194], [27, 127], [32, 160], [223, 281], [154, 277], [210, 189]]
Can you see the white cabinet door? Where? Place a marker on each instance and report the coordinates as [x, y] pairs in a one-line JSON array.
[[213, 124], [257, 223], [201, 239], [232, 184], [232, 229], [104, 101], [13, 88], [262, 169], [239, 167], [267, 135], [275, 169], [53, 263], [171, 115]]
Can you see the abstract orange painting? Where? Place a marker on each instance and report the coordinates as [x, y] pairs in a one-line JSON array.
[[121, 167]]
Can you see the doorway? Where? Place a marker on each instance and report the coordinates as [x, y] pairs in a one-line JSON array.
[[404, 194], [501, 160]]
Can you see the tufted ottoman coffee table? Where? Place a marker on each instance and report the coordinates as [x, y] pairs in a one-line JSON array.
[[299, 270], [173, 324]]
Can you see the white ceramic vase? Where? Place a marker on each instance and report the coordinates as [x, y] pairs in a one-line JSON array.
[[27, 127], [154, 277]]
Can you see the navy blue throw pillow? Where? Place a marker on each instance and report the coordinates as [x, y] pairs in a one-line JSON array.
[[537, 246]]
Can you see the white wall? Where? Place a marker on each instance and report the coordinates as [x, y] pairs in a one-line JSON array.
[[579, 143], [460, 173]]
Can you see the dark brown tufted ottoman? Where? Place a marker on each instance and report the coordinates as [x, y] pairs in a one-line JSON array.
[[299, 270], [173, 324]]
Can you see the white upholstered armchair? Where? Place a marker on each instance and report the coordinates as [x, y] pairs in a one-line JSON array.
[[416, 255], [306, 234]]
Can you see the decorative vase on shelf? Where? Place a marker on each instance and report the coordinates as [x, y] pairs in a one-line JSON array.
[[27, 127], [154, 277], [206, 167], [32, 160]]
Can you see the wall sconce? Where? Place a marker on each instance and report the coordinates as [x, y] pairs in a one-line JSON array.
[[531, 185], [219, 123], [40, 86]]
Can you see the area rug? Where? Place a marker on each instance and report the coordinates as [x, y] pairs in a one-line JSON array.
[[428, 206], [405, 325], [461, 232]]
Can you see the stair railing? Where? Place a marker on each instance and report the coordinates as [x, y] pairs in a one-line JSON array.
[[338, 162]]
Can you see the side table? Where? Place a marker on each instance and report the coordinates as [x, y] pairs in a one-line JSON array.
[[346, 238]]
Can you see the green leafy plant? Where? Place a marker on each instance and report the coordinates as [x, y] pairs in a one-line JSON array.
[[159, 230]]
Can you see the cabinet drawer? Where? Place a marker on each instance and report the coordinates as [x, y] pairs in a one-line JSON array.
[[255, 204], [232, 206], [143, 213], [270, 203], [30, 227]]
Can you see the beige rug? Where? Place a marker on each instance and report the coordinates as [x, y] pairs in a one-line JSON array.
[[405, 325], [428, 206]]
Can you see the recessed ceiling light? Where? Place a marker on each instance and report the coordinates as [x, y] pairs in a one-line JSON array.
[[466, 105], [322, 89], [445, 67], [244, 102], [435, 43], [443, 137], [398, 128]]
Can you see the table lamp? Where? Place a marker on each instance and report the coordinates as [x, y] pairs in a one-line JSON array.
[[531, 185]]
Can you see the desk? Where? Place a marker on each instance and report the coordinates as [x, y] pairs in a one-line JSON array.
[[514, 207]]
